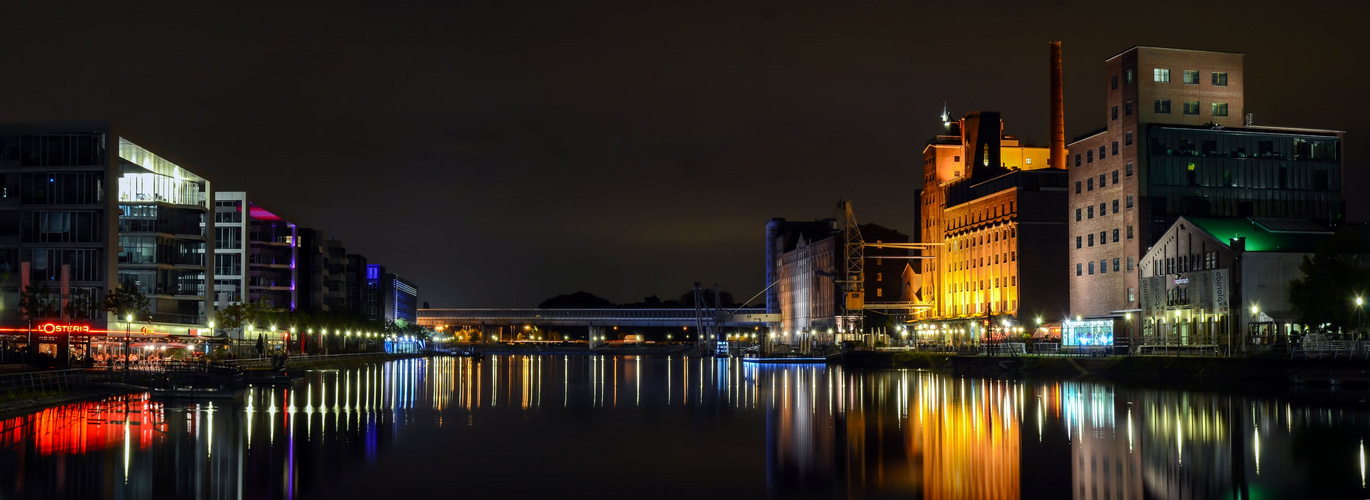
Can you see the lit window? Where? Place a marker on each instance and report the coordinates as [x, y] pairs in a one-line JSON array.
[[1219, 109], [1027, 161], [1219, 79], [1161, 75], [1191, 77], [1128, 78]]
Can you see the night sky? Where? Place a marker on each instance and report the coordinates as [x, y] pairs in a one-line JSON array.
[[499, 153]]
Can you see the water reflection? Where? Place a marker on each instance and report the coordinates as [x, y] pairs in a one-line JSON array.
[[783, 431]]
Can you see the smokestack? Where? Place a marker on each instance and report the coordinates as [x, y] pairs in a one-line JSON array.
[[1058, 110]]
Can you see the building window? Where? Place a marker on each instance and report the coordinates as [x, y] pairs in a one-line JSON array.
[[1191, 77], [1101, 181], [1115, 237], [1078, 239], [1090, 212], [1127, 108], [1103, 209], [1131, 294], [1129, 263], [879, 276], [1089, 156], [1219, 79], [1161, 75], [1091, 267], [1115, 177], [1129, 232], [1078, 268], [1103, 266], [1219, 109], [1127, 138], [1191, 107], [1128, 79], [1089, 184], [1115, 82], [1129, 169], [1103, 237], [879, 292], [1077, 187], [1077, 159], [1091, 243], [1129, 203], [1115, 148], [1114, 114], [1115, 210], [1163, 106], [1077, 214], [1101, 152]]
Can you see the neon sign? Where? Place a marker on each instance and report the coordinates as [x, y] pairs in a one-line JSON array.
[[51, 328]]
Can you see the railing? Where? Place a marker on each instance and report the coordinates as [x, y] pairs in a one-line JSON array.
[[51, 380], [595, 314], [1331, 348]]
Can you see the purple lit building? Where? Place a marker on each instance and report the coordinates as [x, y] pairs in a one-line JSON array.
[[255, 254]]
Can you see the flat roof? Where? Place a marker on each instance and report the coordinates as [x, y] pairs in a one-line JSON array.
[[1135, 47]]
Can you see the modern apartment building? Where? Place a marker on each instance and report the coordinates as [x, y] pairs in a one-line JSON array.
[[255, 255], [1177, 143], [994, 209], [84, 208]]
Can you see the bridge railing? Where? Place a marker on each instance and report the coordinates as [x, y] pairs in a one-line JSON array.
[[575, 314]]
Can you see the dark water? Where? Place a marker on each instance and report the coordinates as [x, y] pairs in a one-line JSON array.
[[606, 427]]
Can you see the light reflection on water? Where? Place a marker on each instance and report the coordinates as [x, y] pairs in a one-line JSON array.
[[620, 423]]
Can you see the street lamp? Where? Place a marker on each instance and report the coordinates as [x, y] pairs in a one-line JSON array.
[[128, 327], [1358, 310]]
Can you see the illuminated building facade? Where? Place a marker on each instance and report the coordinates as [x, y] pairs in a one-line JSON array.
[[256, 254], [1209, 277], [84, 208], [802, 261], [991, 203], [400, 298], [1177, 143]]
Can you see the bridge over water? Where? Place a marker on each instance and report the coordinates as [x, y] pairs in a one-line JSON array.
[[492, 322], [745, 317]]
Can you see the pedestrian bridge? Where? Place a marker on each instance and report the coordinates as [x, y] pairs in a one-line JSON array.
[[755, 316]]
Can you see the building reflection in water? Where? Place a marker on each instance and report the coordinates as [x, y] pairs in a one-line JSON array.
[[827, 431]]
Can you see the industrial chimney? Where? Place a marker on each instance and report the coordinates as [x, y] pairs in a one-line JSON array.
[[1058, 110]]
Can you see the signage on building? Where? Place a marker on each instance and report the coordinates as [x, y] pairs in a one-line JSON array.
[[1220, 291], [1181, 281], [1090, 332], [53, 328]]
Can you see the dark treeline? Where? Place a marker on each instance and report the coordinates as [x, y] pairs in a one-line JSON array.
[[586, 300]]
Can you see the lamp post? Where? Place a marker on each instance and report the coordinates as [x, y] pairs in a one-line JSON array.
[[1358, 309], [128, 330]]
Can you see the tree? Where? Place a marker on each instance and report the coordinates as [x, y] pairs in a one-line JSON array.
[[81, 304], [1337, 273], [39, 302], [578, 300], [127, 299]]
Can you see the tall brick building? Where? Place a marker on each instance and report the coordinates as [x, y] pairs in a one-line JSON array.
[[995, 207], [1176, 143]]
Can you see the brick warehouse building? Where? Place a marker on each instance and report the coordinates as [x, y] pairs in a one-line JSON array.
[[994, 207], [1177, 143]]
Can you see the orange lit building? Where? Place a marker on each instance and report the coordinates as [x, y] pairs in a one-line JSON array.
[[991, 203]]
